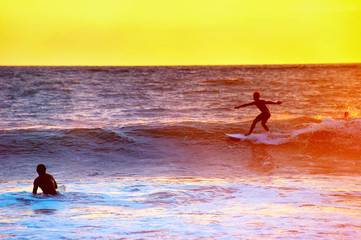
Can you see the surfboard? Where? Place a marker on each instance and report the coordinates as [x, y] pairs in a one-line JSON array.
[[61, 188], [238, 136]]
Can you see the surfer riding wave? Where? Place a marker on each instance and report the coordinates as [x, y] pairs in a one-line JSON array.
[[265, 113]]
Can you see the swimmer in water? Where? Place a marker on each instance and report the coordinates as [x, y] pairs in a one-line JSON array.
[[45, 181], [265, 113]]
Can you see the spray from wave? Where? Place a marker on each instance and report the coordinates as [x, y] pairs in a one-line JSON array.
[[340, 132]]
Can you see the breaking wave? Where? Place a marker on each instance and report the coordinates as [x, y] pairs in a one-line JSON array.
[[327, 133]]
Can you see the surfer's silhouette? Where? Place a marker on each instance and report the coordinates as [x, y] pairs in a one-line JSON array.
[[265, 113], [45, 181]]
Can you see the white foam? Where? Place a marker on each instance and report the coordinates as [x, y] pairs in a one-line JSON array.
[[269, 138], [191, 208], [341, 127]]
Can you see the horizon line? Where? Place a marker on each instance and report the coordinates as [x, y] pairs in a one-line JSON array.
[[190, 65]]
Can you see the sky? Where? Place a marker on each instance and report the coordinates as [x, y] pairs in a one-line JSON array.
[[184, 32]]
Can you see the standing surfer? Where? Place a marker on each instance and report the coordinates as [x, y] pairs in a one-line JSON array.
[[265, 113]]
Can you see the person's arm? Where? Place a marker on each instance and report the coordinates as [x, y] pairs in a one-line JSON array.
[[55, 184], [271, 102], [35, 189], [245, 105]]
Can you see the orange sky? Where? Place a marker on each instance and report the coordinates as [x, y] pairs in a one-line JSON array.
[[185, 32]]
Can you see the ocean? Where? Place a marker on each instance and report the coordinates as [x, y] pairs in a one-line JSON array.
[[142, 152]]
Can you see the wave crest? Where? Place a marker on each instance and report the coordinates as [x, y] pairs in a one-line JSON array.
[[314, 135]]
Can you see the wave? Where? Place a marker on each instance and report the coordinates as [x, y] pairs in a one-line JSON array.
[[184, 148], [330, 134], [308, 130], [55, 141]]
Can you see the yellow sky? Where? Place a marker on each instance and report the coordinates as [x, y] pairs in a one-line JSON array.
[[184, 32]]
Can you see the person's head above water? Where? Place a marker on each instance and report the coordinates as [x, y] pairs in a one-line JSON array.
[[256, 95], [41, 169]]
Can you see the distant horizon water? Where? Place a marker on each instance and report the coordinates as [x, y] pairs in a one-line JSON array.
[[187, 65]]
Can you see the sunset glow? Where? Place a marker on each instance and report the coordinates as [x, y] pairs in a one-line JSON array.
[[187, 32]]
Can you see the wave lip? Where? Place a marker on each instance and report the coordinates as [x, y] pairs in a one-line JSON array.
[[300, 130], [326, 130]]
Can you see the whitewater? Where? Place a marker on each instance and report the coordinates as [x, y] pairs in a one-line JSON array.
[[141, 152]]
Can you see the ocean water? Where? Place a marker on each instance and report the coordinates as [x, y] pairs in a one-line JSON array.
[[141, 152]]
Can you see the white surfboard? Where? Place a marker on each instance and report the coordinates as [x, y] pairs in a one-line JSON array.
[[61, 188], [238, 136], [268, 138]]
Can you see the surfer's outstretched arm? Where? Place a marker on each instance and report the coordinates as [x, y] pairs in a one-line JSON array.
[[244, 105]]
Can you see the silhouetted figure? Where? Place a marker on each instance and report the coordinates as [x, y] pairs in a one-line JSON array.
[[45, 181], [265, 113]]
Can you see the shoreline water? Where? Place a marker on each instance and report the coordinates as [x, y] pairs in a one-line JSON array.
[[188, 208]]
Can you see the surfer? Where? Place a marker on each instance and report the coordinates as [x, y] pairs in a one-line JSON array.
[[265, 113], [45, 181]]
